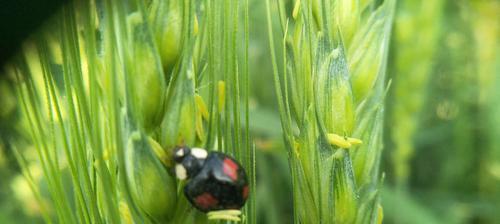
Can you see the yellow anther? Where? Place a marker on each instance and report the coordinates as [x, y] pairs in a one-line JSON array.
[[229, 215], [354, 141], [105, 157], [159, 152], [296, 146], [380, 214], [222, 94], [342, 142], [202, 107], [200, 132], [195, 28], [296, 9], [338, 140], [125, 214]]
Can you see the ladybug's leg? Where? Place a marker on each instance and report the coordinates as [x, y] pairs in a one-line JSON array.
[[229, 215]]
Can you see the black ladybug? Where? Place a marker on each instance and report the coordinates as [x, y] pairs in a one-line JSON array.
[[216, 181]]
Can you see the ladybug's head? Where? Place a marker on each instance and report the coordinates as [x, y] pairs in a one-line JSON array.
[[188, 161]]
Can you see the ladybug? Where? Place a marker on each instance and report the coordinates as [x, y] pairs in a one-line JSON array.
[[215, 181]]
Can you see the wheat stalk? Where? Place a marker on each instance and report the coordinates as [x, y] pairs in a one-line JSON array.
[[108, 91], [330, 95]]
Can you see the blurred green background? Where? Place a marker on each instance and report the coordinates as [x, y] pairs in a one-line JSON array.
[[442, 135]]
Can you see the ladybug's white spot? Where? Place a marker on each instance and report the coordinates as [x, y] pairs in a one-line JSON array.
[[199, 153], [180, 172], [179, 153]]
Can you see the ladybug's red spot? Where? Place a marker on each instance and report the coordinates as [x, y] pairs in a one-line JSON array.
[[245, 192], [206, 201], [230, 168]]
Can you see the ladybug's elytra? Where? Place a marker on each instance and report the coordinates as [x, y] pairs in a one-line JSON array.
[[216, 181]]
